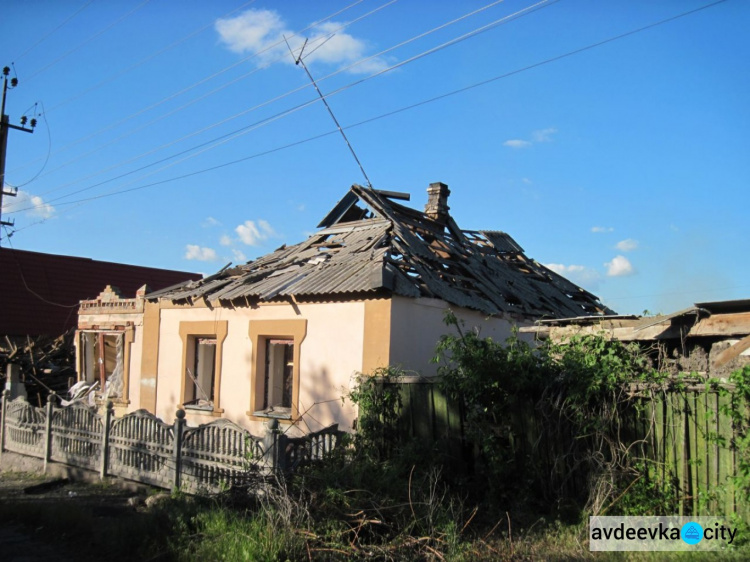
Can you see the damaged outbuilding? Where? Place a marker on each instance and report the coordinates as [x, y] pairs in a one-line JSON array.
[[709, 339]]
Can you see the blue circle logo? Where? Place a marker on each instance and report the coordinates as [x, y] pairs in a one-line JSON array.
[[691, 533]]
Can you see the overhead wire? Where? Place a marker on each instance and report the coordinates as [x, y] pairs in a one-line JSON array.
[[147, 58], [209, 145], [391, 113], [399, 110], [50, 33], [282, 96], [178, 109], [43, 115], [213, 143], [286, 94], [23, 277], [87, 41], [195, 84]]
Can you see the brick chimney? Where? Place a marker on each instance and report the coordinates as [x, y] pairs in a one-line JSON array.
[[437, 202]]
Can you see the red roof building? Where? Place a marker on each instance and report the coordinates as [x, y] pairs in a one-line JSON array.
[[40, 293]]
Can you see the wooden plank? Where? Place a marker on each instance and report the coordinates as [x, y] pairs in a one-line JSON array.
[[659, 421], [423, 412], [676, 429], [723, 325], [442, 416], [698, 461], [732, 352], [726, 454]]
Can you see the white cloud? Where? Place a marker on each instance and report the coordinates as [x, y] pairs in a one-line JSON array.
[[627, 245], [527, 181], [579, 274], [517, 143], [563, 269], [33, 205], [602, 229], [620, 266], [195, 252], [253, 234], [543, 135], [239, 257], [209, 222], [225, 240], [263, 31]]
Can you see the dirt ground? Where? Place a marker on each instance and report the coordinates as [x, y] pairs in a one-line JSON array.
[[31, 506]]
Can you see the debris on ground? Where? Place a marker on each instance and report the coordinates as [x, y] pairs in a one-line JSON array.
[[46, 364]]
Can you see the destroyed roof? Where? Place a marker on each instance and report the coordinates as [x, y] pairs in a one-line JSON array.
[[370, 244]]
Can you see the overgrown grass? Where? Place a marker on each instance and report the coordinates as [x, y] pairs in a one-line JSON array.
[[319, 521]]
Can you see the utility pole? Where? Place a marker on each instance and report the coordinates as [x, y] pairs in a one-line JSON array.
[[4, 126]]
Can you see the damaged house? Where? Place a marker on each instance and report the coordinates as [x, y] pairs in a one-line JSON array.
[[708, 340], [281, 337]]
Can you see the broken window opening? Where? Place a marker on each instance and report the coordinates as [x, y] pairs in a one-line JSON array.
[[103, 363], [201, 373], [279, 376]]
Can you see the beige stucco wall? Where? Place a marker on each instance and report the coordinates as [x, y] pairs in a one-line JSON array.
[[417, 324], [341, 339], [330, 354]]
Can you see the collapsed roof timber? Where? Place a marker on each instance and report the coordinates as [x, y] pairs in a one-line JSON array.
[[371, 244]]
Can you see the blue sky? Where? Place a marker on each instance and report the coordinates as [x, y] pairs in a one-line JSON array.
[[624, 166]]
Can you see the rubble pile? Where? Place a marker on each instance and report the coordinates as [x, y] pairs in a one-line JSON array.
[[46, 364]]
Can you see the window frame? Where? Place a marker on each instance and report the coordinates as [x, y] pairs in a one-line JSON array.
[[190, 332], [126, 332], [260, 332]]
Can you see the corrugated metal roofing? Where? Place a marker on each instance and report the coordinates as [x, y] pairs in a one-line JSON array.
[[402, 251]]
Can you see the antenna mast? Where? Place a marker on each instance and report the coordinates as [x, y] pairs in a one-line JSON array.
[[298, 61]]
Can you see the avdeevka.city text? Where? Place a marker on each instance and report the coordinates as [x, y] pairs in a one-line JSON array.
[[659, 532]]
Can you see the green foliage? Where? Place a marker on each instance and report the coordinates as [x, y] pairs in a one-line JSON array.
[[575, 388], [647, 494], [379, 403], [738, 411]]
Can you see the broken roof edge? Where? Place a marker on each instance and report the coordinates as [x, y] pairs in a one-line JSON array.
[[369, 242]]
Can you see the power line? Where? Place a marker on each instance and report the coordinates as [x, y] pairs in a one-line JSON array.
[[23, 277], [44, 37], [43, 115], [198, 83], [388, 114], [384, 115], [176, 110], [244, 130], [87, 41], [505, 19], [144, 60]]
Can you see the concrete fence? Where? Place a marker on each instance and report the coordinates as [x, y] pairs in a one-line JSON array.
[[141, 447]]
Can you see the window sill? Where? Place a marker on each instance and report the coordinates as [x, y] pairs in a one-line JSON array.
[[202, 409], [273, 413], [115, 401]]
